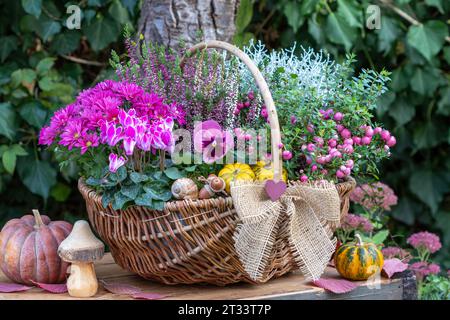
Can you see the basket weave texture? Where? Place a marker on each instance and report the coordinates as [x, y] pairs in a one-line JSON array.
[[189, 242]]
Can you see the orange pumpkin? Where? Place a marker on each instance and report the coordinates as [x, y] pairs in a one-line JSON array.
[[28, 249]]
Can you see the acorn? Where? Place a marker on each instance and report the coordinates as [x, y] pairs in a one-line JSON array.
[[184, 188], [215, 183], [205, 192]]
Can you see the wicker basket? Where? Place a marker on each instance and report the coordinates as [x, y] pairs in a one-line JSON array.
[[192, 241]]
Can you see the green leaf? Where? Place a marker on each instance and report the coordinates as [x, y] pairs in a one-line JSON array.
[[7, 45], [388, 34], [119, 200], [101, 33], [444, 102], [308, 6], [60, 192], [9, 160], [173, 173], [7, 120], [351, 12], [158, 205], [405, 210], [131, 191], [437, 4], [119, 175], [33, 7], [130, 5], [402, 111], [46, 84], [144, 199], [22, 76], [137, 177], [339, 31], [425, 81], [426, 135], [447, 54], [428, 38], [292, 12], [380, 237], [118, 12], [19, 150], [158, 194], [107, 197], [45, 65], [429, 186], [244, 15], [34, 114], [400, 78], [47, 28], [38, 176], [65, 43], [94, 182]]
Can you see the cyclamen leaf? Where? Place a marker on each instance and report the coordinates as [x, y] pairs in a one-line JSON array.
[[52, 288], [335, 285], [137, 177], [13, 287], [392, 266], [148, 296], [131, 191], [173, 173]]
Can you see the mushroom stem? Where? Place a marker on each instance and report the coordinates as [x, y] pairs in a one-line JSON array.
[[82, 282], [37, 218]]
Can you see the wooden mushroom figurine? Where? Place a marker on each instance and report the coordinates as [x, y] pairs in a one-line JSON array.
[[81, 248]]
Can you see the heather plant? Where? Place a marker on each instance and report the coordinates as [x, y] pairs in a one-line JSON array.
[[325, 113]]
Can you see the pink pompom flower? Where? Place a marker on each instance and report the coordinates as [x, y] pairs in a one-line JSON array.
[[425, 241]]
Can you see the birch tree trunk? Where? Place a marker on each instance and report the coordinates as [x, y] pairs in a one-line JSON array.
[[168, 22]]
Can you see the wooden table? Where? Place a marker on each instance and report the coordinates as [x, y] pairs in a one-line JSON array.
[[292, 286]]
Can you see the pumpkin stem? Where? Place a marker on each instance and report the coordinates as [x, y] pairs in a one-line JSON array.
[[359, 241], [37, 219]]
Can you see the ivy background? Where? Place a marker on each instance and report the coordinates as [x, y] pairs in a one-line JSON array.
[[43, 65]]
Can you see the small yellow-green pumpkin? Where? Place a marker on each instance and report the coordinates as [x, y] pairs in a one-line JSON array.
[[358, 261]]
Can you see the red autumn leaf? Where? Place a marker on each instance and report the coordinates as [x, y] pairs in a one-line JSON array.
[[121, 288], [392, 266], [335, 285], [147, 296], [51, 287], [12, 287]]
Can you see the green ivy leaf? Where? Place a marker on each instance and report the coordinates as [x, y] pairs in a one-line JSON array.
[[429, 186], [33, 7], [388, 34], [101, 33], [65, 43], [34, 114], [308, 6], [23, 76], [173, 173], [46, 84], [7, 45], [425, 81], [45, 65], [118, 12], [339, 31], [47, 28], [60, 192], [444, 102], [402, 111], [131, 191], [38, 176], [428, 38], [130, 5], [244, 15], [437, 4], [405, 210], [7, 120], [426, 135], [19, 150], [351, 12], [292, 12], [9, 160]]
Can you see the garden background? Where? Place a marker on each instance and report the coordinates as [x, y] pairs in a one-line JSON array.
[[43, 65]]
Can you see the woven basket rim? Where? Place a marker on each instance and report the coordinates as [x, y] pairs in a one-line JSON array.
[[349, 184]]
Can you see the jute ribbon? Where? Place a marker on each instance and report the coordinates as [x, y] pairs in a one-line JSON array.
[[313, 212]]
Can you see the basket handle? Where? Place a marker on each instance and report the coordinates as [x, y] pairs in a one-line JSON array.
[[275, 133]]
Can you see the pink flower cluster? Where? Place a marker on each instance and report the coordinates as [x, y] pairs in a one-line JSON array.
[[396, 252], [425, 240], [115, 114], [374, 195], [423, 269], [342, 145], [355, 222]]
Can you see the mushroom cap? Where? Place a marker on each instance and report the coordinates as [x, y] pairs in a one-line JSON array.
[[81, 245]]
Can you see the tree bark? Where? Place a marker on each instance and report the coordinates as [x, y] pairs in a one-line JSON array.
[[170, 22]]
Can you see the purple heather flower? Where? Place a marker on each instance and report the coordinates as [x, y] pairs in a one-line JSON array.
[[425, 240]]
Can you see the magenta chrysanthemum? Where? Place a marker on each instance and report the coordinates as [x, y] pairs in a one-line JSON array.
[[425, 241], [375, 195]]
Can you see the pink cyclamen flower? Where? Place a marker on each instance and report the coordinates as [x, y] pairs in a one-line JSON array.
[[425, 240], [115, 162], [212, 141]]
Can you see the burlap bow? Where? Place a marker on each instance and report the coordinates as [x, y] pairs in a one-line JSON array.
[[312, 210]]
